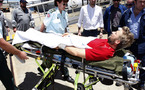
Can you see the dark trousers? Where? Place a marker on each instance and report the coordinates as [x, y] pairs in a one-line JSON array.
[[134, 50], [142, 72], [90, 33], [5, 74]]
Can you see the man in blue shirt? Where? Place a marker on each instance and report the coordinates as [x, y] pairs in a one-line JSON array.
[[112, 16], [134, 18]]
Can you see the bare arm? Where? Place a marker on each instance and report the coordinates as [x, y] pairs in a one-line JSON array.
[[66, 30], [76, 51], [79, 31], [80, 21], [101, 33], [42, 27], [10, 49], [14, 23]]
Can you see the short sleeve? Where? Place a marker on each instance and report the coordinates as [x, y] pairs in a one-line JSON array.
[[98, 54], [1, 32], [47, 19], [1, 36]]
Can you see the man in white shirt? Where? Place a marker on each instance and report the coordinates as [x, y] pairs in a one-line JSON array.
[[92, 18]]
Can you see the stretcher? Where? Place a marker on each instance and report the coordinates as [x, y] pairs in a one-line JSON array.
[[117, 69]]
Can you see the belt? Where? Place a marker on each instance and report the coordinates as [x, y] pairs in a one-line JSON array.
[[91, 30], [135, 39]]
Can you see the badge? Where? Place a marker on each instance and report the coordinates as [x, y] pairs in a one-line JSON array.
[[48, 15]]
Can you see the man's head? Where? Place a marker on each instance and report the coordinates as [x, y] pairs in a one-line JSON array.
[[92, 3], [129, 3], [61, 4], [139, 4], [1, 2], [23, 4], [116, 3], [121, 38]]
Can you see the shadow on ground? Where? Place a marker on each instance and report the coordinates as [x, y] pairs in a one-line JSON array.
[[31, 79]]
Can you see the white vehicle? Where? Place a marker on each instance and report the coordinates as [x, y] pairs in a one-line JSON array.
[[5, 7], [48, 4], [72, 4]]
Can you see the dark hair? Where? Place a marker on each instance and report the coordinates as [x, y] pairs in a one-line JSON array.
[[55, 2], [1, 1]]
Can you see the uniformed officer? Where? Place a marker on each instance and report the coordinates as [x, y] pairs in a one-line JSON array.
[[4, 23], [5, 74], [56, 21], [22, 18]]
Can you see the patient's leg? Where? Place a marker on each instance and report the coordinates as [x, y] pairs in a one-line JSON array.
[[80, 42]]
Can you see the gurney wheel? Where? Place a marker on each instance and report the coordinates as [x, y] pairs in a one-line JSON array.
[[127, 87], [80, 87]]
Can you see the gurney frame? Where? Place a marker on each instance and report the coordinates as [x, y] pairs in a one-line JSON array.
[[94, 74]]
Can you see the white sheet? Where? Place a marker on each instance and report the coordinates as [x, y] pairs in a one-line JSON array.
[[51, 40]]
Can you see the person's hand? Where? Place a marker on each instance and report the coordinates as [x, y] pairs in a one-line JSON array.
[[14, 30], [101, 35], [8, 29], [65, 34], [79, 33], [22, 55]]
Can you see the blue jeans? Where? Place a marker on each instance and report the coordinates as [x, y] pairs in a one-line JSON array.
[[134, 50]]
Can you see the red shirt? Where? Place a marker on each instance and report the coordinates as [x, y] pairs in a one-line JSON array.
[[101, 50]]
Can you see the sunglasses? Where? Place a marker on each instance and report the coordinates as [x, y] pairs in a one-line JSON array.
[[64, 4], [131, 4], [116, 0]]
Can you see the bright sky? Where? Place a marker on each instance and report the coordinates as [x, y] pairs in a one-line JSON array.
[[12, 0], [19, 0]]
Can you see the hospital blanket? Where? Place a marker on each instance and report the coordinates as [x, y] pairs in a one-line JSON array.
[[51, 40]]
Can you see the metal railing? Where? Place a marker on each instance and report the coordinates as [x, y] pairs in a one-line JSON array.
[[40, 5], [51, 4]]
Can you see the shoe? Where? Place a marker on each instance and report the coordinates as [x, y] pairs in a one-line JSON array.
[[118, 84], [69, 79], [106, 81], [141, 88], [20, 89], [43, 67], [136, 86]]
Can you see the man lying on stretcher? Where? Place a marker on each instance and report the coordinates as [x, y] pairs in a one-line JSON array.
[[89, 48]]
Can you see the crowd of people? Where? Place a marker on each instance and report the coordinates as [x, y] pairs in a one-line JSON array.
[[130, 18]]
